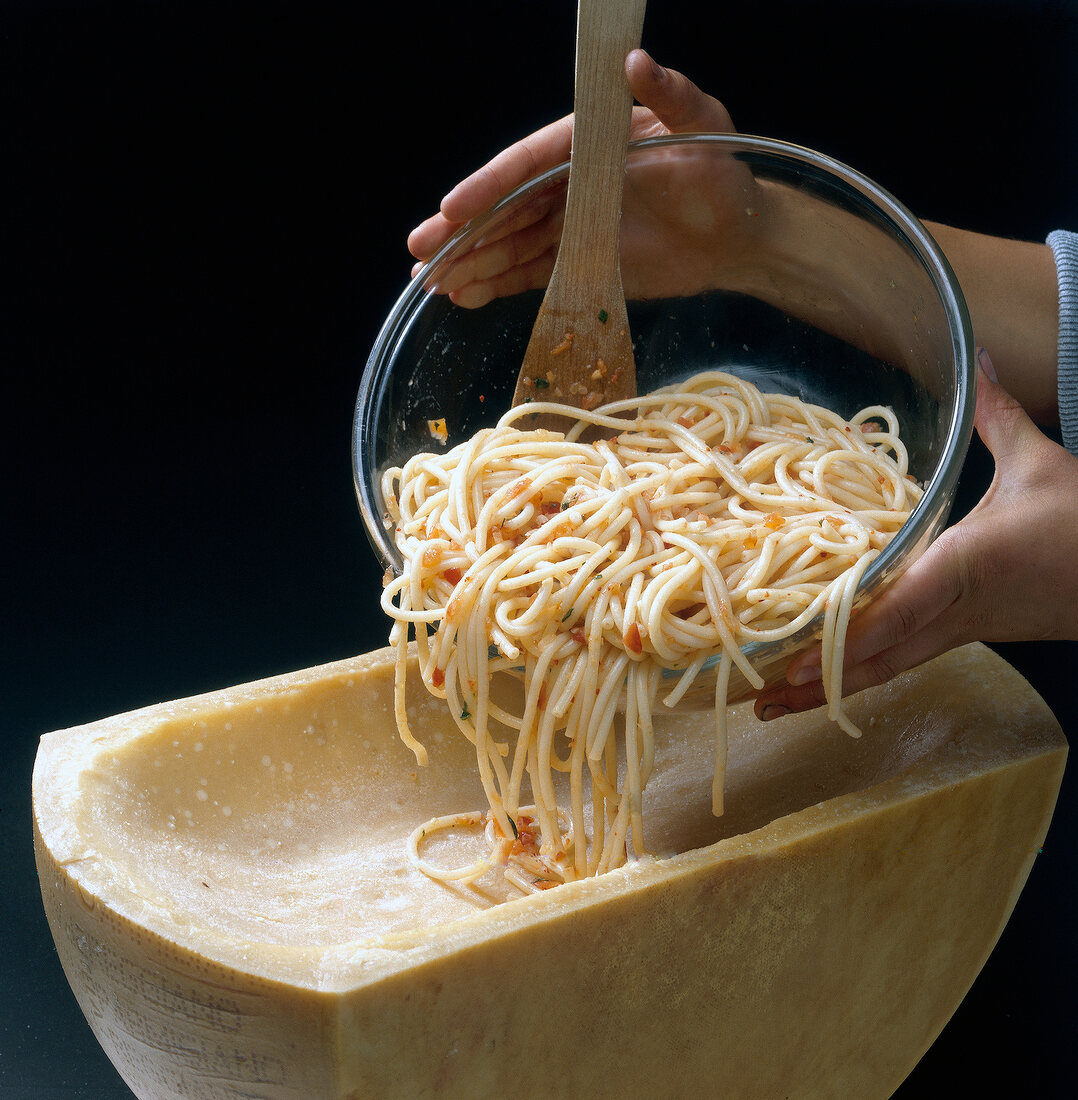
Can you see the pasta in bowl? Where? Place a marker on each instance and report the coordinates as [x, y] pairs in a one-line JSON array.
[[806, 401]]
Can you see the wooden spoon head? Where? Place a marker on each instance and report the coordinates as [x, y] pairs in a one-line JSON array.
[[578, 357], [581, 352]]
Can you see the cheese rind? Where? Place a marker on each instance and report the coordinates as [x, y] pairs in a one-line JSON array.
[[228, 889]]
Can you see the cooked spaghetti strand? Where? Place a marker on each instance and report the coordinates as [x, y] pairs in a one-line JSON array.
[[710, 516]]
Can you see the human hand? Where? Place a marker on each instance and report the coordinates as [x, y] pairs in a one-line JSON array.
[[1006, 572], [652, 230]]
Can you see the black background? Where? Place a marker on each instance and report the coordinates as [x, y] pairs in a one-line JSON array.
[[205, 224]]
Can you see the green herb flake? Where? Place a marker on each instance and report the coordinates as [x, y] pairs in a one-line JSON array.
[[513, 826], [465, 714], [541, 383], [567, 614], [603, 316], [493, 652], [809, 439]]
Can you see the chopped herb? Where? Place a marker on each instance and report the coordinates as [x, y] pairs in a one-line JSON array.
[[513, 826], [465, 714], [603, 315], [542, 383], [809, 439], [493, 652], [567, 614]]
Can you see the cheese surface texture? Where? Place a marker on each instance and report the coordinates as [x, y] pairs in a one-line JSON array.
[[228, 887]]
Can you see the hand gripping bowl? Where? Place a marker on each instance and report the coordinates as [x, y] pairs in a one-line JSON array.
[[226, 877], [742, 254]]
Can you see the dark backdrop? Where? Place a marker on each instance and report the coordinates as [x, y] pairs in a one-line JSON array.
[[205, 224]]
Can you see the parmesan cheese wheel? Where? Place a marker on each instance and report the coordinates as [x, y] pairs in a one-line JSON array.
[[227, 882]]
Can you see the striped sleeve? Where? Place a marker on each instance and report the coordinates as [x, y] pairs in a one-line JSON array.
[[1065, 247]]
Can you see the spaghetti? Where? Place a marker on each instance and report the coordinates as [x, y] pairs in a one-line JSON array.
[[711, 516]]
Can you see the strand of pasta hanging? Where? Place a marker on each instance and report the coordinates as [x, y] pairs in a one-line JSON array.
[[712, 516]]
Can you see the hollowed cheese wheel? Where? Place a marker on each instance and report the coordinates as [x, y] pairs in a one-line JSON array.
[[227, 884]]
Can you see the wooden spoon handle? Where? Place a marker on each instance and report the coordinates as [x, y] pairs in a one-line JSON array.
[[606, 31], [580, 352]]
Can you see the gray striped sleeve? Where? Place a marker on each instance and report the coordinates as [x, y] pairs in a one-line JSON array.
[[1065, 247]]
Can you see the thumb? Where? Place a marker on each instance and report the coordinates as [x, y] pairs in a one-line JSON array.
[[674, 99], [1003, 425]]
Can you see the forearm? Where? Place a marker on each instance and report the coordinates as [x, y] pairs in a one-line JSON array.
[[838, 270], [1011, 290]]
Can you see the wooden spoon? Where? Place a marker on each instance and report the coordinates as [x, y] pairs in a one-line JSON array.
[[580, 352]]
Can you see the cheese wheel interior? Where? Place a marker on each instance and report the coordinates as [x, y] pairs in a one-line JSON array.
[[252, 841]]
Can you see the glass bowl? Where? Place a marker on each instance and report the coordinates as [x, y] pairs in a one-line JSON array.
[[743, 254]]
